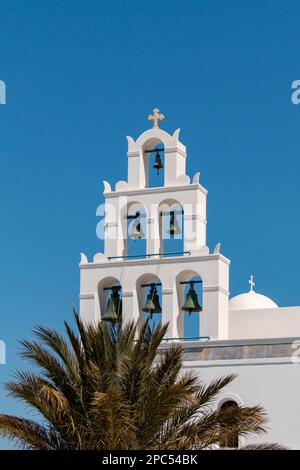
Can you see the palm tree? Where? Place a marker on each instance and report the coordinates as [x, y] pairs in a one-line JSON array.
[[106, 387]]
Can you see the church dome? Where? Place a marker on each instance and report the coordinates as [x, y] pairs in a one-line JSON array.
[[251, 300]]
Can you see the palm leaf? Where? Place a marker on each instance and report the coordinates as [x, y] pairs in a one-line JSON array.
[[104, 387]]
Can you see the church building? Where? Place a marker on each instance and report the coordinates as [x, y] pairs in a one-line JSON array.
[[156, 264]]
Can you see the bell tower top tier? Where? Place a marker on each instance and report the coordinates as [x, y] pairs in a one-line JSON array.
[[138, 162], [138, 157]]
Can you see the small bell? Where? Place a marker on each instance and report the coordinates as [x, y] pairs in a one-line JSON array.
[[137, 231], [113, 311], [158, 163], [174, 228], [152, 304], [191, 303]]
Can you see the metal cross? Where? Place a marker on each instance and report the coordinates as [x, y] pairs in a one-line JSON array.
[[155, 117], [251, 282]]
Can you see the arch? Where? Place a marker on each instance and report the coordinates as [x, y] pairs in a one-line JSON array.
[[137, 246], [169, 244], [188, 325], [142, 293], [155, 133], [150, 177], [229, 397], [231, 441], [103, 295]]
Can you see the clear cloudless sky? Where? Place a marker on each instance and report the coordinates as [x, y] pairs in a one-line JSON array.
[[80, 76]]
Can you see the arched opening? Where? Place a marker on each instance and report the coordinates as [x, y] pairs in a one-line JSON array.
[[110, 299], [135, 243], [154, 163], [171, 228], [149, 292], [190, 305], [231, 439]]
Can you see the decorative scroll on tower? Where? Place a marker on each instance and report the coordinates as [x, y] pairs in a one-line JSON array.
[[116, 267]]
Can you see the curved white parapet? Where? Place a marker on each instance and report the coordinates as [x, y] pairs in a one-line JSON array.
[[217, 248], [107, 187], [99, 258], [130, 141], [196, 178], [182, 180], [121, 186], [176, 134], [83, 259]]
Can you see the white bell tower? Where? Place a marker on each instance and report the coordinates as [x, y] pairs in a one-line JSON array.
[[116, 267]]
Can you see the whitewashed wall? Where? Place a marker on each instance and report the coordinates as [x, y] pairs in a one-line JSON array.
[[274, 384], [264, 323]]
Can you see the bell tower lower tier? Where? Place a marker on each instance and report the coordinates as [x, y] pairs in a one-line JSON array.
[[132, 274]]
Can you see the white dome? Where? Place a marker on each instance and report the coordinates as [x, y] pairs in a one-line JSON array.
[[250, 301]]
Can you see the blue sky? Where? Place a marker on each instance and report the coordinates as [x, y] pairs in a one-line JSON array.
[[81, 75]]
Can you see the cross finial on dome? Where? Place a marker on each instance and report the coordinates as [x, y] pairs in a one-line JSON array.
[[155, 117], [251, 282]]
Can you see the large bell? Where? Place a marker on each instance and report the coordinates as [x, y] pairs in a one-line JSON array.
[[113, 311], [152, 304], [137, 231], [158, 163], [191, 303], [174, 228]]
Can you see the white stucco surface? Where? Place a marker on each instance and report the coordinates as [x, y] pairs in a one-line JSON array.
[[264, 323], [273, 385]]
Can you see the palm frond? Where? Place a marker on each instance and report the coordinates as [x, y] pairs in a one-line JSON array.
[[104, 387], [263, 446], [28, 434]]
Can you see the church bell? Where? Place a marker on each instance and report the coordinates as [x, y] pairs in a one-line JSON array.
[[152, 304], [191, 303], [113, 311], [174, 228], [137, 231], [157, 163]]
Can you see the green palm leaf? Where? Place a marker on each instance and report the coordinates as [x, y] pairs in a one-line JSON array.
[[104, 387]]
